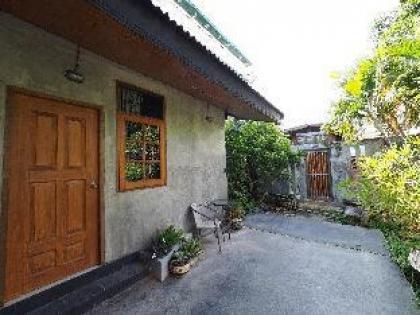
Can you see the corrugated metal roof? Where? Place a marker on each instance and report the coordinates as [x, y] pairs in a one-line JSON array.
[[187, 16], [193, 8], [302, 127], [161, 30]]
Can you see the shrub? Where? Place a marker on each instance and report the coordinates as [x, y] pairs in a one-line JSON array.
[[389, 186], [257, 153], [236, 212]]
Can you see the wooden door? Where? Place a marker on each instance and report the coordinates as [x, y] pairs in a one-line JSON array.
[[51, 192], [318, 175]]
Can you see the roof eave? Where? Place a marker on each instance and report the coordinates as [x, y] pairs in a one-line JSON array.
[[206, 65], [153, 46]]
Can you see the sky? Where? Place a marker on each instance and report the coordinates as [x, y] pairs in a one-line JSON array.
[[295, 46]]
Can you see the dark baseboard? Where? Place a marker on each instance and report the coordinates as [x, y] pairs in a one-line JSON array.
[[79, 294]]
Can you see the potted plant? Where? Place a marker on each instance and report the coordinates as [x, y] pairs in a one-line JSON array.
[[186, 257], [167, 242], [180, 263], [235, 217]]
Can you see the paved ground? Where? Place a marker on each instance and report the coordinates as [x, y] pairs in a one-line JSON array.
[[304, 266], [316, 229]]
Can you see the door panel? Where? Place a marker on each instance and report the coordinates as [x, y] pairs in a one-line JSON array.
[[44, 143], [43, 223], [75, 142], [75, 215], [52, 213], [318, 175]]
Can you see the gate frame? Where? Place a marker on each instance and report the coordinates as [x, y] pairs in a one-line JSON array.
[[330, 192]]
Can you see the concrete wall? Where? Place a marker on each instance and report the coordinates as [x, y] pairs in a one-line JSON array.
[[35, 60], [340, 160]]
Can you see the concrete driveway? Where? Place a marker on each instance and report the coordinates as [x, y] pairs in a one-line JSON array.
[[280, 265]]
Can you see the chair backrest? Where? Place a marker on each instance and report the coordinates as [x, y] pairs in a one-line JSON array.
[[203, 216], [204, 211]]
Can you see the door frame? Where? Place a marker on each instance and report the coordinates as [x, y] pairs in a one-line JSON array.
[[328, 151], [5, 177]]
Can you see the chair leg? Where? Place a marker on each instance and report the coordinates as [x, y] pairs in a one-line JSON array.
[[219, 236]]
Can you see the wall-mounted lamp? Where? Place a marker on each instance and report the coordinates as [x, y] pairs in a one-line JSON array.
[[74, 74]]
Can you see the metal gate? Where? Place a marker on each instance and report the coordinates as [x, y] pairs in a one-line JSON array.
[[318, 175]]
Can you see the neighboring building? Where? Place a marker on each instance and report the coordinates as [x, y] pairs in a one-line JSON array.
[[107, 143], [326, 161]]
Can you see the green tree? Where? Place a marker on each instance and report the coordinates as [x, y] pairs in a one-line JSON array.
[[257, 153], [383, 91]]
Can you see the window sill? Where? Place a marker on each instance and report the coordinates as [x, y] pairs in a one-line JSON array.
[[141, 186]]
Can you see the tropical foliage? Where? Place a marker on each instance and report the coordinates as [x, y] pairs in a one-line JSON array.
[[257, 153], [383, 91], [389, 186]]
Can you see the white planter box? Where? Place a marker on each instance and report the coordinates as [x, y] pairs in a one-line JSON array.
[[160, 266]]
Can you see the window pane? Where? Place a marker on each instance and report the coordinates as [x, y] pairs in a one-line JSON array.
[[134, 171], [130, 101], [134, 146], [152, 106], [153, 170], [151, 133], [142, 151], [152, 152], [139, 102]]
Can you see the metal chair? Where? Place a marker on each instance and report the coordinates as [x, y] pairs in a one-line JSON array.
[[211, 217]]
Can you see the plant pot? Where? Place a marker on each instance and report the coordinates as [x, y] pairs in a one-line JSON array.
[[237, 224], [180, 270], [160, 266]]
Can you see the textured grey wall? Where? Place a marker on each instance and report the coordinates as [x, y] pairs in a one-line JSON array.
[[340, 160], [35, 60]]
